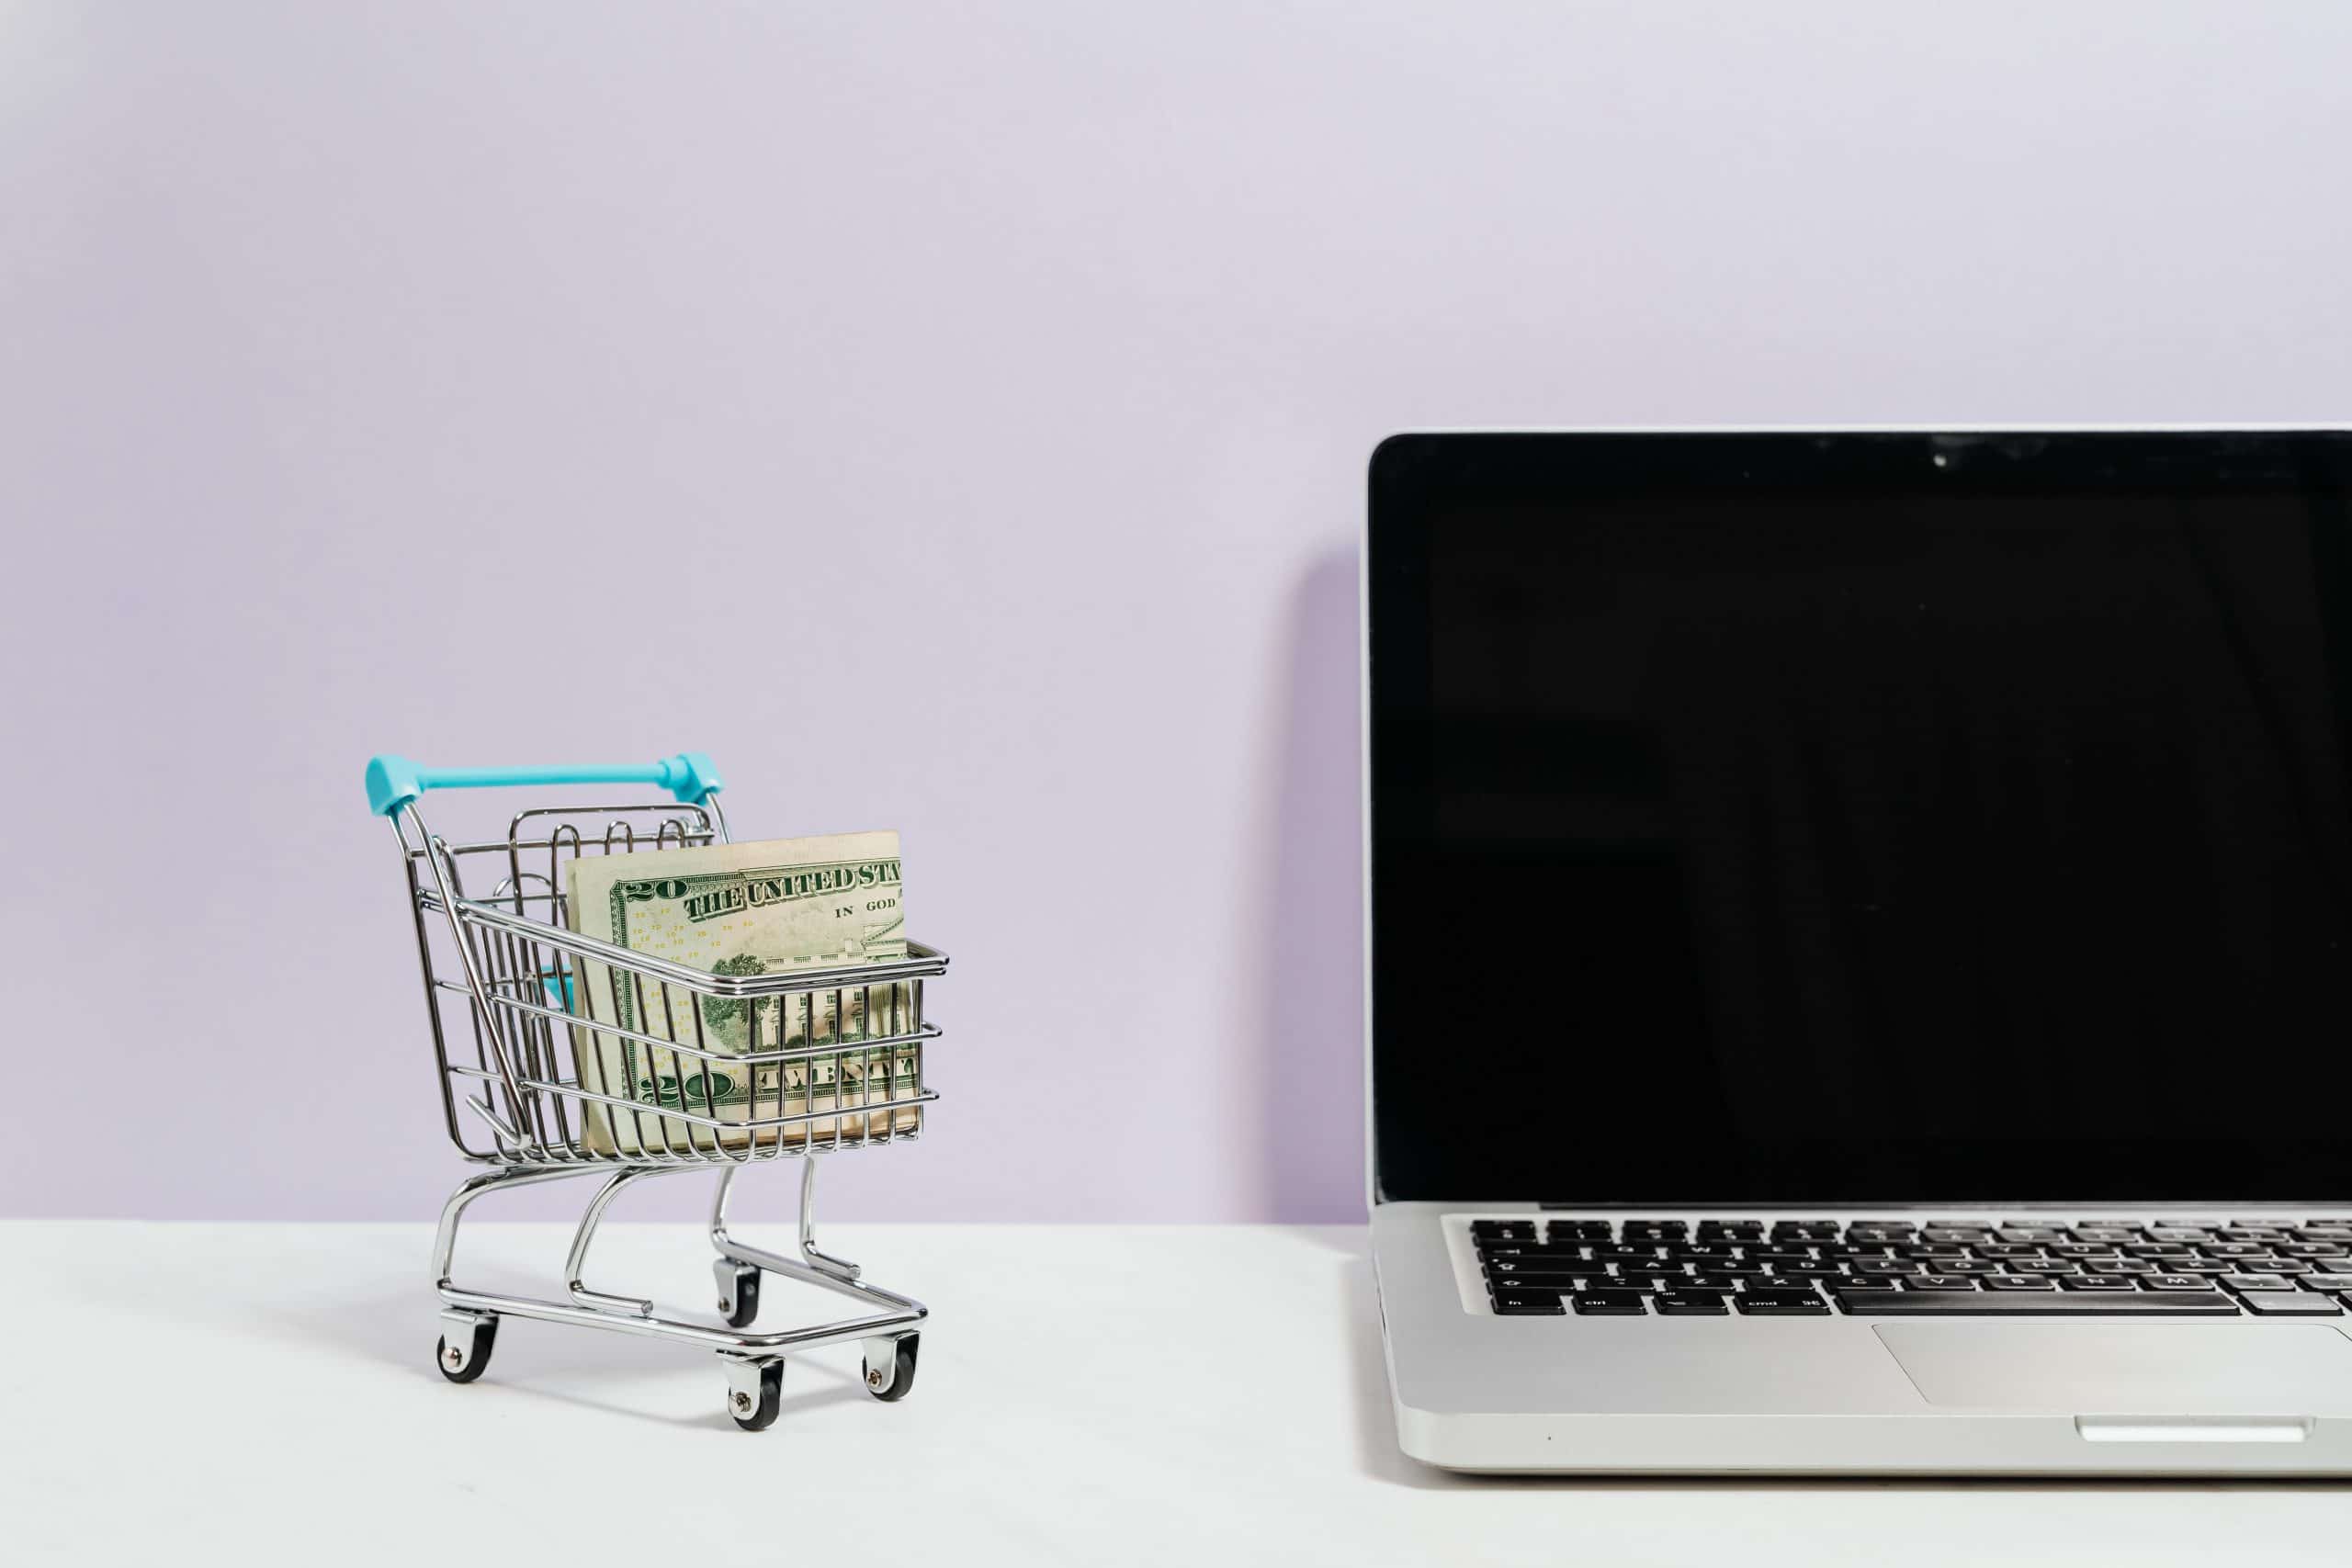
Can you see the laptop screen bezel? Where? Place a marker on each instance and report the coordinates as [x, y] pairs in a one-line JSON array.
[[1412, 475]]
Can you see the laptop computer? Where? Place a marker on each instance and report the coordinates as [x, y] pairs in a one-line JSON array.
[[1860, 970]]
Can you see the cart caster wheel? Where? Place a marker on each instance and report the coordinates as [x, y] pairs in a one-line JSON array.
[[890, 1375], [467, 1359], [738, 1293], [756, 1392]]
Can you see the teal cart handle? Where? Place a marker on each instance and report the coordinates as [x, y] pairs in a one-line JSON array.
[[393, 782]]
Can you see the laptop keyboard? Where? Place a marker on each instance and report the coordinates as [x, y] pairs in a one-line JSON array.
[[1543, 1265]]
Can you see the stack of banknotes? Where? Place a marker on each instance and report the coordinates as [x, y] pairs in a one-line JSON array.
[[760, 909]]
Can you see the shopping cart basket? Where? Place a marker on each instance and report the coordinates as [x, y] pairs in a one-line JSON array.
[[506, 988]]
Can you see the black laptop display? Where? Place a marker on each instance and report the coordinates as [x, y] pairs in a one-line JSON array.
[[1880, 819]]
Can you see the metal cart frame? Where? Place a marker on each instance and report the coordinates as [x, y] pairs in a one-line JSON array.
[[521, 998]]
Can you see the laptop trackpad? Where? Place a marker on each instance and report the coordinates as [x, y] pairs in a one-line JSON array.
[[2183, 1368]]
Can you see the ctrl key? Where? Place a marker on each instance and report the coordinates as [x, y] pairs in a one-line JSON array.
[[1609, 1304], [1528, 1303]]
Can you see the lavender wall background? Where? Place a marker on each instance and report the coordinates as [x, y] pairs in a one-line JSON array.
[[502, 382]]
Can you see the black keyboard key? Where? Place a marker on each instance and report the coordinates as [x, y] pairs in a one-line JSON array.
[[2051, 1303], [2118, 1265], [1530, 1249], [1655, 1230], [1782, 1303], [1577, 1230], [1857, 1235], [1807, 1271], [2192, 1234], [2176, 1283], [1627, 1254], [2098, 1282], [2291, 1303], [1503, 1230], [1692, 1303], [2257, 1282], [1867, 1284], [1883, 1266], [1610, 1304], [1647, 1278], [1534, 1262], [2233, 1249], [1730, 1230], [2020, 1282], [1547, 1279], [1940, 1282], [1528, 1304]]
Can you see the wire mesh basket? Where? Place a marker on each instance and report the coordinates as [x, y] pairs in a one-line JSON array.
[[833, 1058]]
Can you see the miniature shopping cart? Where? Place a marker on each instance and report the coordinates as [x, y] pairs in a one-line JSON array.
[[517, 1033]]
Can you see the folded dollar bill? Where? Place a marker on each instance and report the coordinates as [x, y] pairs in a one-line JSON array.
[[759, 908]]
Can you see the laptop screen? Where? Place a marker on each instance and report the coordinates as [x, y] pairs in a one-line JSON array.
[[1862, 819]]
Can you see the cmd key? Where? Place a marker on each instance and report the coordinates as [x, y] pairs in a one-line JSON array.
[[1782, 1303]]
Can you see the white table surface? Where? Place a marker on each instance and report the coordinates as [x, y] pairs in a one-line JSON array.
[[1086, 1395]]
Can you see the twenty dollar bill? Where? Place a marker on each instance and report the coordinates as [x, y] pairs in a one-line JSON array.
[[741, 909]]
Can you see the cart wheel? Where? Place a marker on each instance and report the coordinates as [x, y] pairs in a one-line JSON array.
[[756, 1411], [738, 1293], [465, 1361], [895, 1380]]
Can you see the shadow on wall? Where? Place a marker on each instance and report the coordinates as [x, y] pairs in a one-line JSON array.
[[1313, 1035]]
